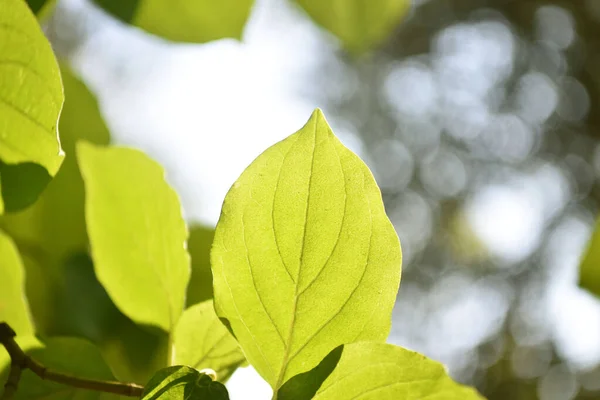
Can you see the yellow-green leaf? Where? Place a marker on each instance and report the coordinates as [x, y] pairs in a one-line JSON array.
[[55, 224], [201, 341], [199, 243], [137, 233], [31, 98], [13, 307], [589, 270], [359, 24], [376, 371], [304, 258], [53, 229], [42, 8], [195, 21]]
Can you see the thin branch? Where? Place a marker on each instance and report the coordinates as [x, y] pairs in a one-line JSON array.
[[21, 361]]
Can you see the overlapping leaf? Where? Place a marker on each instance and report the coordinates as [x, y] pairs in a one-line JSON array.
[[13, 307], [137, 234], [375, 371], [359, 24], [304, 257], [196, 21], [31, 98], [183, 383], [199, 243], [201, 341]]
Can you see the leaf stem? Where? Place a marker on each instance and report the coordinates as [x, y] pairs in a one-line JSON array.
[[21, 361]]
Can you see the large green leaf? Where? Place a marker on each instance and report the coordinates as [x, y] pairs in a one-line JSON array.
[[55, 224], [199, 243], [64, 295], [53, 229], [589, 272], [13, 307], [137, 234], [359, 24], [376, 371], [67, 355], [201, 341], [31, 97], [183, 383], [196, 21], [304, 257]]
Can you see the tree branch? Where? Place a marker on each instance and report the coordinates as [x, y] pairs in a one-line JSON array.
[[21, 361]]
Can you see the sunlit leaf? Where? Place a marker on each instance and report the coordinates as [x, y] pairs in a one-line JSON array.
[[13, 307], [376, 371], [51, 230], [67, 355], [31, 97], [589, 272], [304, 257], [360, 25], [195, 21], [201, 341], [55, 224], [183, 383], [199, 243], [137, 233], [64, 295]]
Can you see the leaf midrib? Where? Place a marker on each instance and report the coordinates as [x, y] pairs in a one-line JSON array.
[[286, 354]]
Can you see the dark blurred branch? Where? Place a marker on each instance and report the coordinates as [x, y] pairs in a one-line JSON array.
[[21, 361]]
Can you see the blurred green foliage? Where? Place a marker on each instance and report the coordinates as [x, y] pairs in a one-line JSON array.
[[195, 21]]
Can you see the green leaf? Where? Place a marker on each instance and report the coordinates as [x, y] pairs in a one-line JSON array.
[[589, 270], [13, 307], [195, 21], [376, 371], [67, 355], [360, 25], [304, 257], [51, 230], [31, 98], [55, 224], [183, 383], [199, 243], [201, 341], [137, 233], [41, 7]]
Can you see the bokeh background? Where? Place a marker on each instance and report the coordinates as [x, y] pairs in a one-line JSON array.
[[479, 119]]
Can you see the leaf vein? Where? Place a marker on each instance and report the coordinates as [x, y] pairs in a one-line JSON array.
[[254, 281], [351, 293]]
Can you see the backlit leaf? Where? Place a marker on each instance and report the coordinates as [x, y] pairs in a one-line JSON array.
[[201, 341], [183, 383], [304, 258], [196, 21], [199, 243], [55, 224], [31, 98], [359, 24], [13, 307], [376, 371], [137, 233]]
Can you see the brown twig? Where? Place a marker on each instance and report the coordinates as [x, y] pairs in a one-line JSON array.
[[21, 361]]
